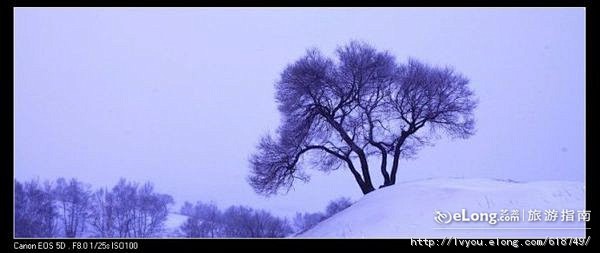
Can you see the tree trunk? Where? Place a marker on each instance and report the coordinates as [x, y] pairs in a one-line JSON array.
[[395, 166], [364, 165], [367, 189], [384, 173], [394, 169], [364, 186], [396, 160], [365, 171]]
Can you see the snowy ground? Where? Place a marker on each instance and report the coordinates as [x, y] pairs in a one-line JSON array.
[[407, 210], [173, 224]]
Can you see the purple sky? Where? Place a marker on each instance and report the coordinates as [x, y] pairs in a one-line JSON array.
[[180, 97]]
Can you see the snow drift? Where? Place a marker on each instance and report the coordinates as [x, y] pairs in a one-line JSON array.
[[407, 210]]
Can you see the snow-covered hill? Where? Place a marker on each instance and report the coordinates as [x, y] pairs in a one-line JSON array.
[[407, 210], [173, 225]]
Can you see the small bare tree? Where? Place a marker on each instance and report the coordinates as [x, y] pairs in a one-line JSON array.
[[35, 213], [364, 104], [244, 222], [130, 211], [73, 205], [306, 221], [204, 220], [336, 206], [150, 212], [102, 213]]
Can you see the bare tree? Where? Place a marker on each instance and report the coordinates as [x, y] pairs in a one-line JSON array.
[[130, 211], [35, 213], [336, 206], [73, 204], [150, 212], [204, 220], [102, 217], [187, 209], [241, 222], [437, 97], [362, 105], [306, 221], [270, 226], [124, 195]]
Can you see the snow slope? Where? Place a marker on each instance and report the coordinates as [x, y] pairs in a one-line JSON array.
[[173, 224], [407, 209]]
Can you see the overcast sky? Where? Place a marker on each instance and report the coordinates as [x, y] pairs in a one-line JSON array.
[[180, 97]]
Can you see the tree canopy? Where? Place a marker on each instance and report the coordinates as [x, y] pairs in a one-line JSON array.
[[338, 113]]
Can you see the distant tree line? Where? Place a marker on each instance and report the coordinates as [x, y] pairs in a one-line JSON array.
[[71, 209], [205, 220]]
